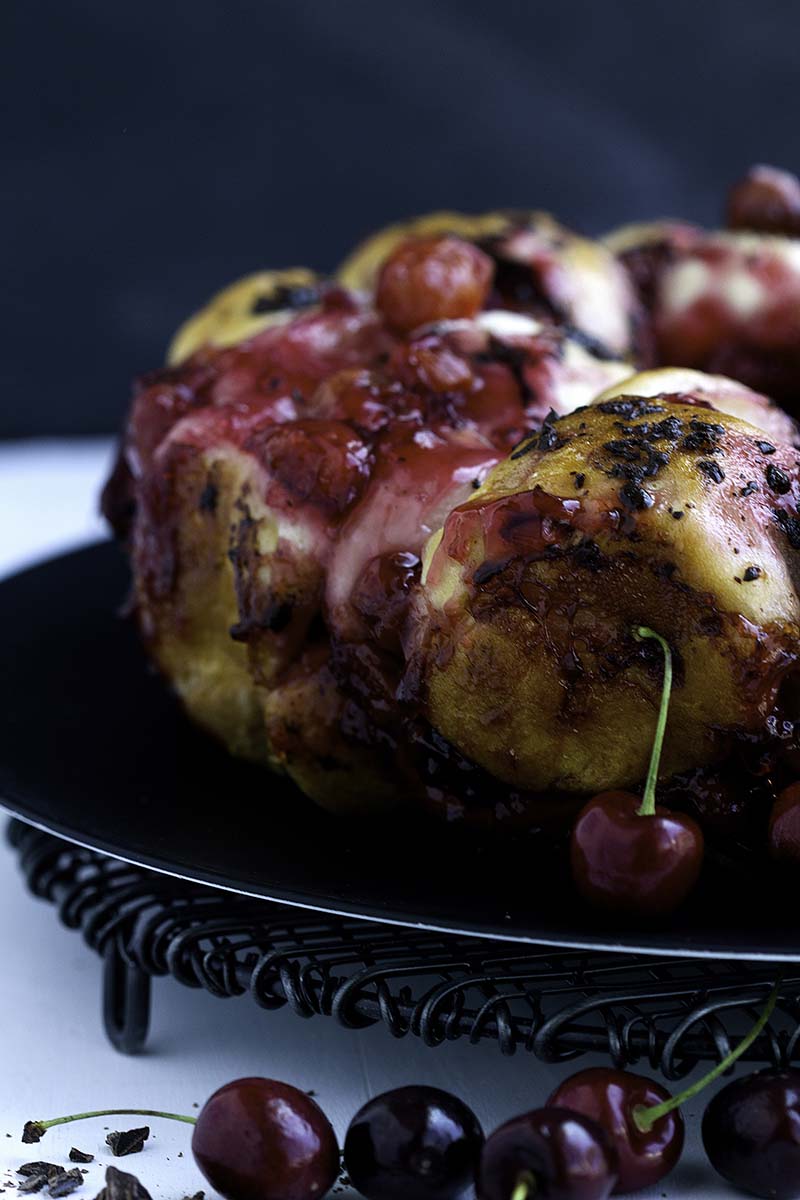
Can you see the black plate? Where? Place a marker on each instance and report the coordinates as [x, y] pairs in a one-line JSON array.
[[93, 748]]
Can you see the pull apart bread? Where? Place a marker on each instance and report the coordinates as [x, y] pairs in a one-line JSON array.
[[391, 531]]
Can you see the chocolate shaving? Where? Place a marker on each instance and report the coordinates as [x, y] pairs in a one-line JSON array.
[[790, 526], [39, 1168], [66, 1182], [594, 346], [127, 1141], [712, 469], [703, 435], [283, 297], [80, 1156], [630, 407], [122, 1186], [208, 498], [34, 1183], [777, 479], [548, 438], [33, 1132], [516, 358], [633, 496]]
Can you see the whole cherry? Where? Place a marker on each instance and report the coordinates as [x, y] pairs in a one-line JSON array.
[[432, 278], [783, 834], [258, 1139], [639, 1116], [646, 1150], [551, 1153], [637, 856], [416, 1142], [767, 200], [751, 1133]]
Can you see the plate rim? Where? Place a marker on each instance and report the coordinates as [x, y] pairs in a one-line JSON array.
[[352, 911]]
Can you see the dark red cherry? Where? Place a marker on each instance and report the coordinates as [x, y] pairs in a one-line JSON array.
[[628, 862], [612, 1099], [751, 1133], [783, 836], [767, 200], [256, 1139], [431, 279], [415, 1142], [550, 1153]]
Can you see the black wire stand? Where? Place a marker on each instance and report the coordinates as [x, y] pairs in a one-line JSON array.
[[670, 1013]]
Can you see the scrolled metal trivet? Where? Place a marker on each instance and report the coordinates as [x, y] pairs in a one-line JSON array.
[[671, 1013]]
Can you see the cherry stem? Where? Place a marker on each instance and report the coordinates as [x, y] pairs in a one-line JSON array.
[[37, 1129], [646, 1117], [648, 806], [525, 1186]]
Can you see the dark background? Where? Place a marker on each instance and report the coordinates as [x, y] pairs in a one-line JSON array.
[[154, 151]]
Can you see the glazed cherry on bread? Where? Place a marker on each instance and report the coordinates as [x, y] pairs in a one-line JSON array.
[[432, 279], [767, 200], [633, 855], [548, 1154]]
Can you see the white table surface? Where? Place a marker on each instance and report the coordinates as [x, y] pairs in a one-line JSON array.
[[54, 1058]]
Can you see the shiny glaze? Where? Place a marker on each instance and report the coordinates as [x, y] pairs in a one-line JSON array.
[[610, 1097]]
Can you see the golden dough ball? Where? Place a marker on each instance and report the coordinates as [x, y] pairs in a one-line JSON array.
[[634, 511], [244, 309]]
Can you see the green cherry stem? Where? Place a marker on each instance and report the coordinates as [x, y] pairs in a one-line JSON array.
[[35, 1130], [525, 1187], [646, 1117], [648, 806]]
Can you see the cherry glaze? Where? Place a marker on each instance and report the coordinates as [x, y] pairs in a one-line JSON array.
[[257, 1139], [630, 863], [610, 1098], [751, 1133], [568, 1157]]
